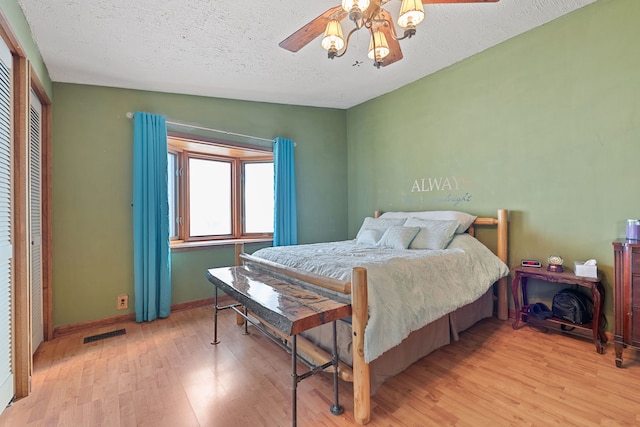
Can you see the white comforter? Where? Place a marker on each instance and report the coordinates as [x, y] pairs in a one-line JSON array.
[[407, 288]]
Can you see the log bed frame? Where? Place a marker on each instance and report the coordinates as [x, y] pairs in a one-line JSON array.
[[359, 374]]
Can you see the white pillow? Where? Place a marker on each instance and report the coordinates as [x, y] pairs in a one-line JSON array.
[[369, 237], [433, 234], [463, 218], [398, 237], [382, 224]]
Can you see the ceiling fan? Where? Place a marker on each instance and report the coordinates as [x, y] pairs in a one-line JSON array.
[[384, 46]]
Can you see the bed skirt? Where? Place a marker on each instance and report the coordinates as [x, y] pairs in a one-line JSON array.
[[417, 345]]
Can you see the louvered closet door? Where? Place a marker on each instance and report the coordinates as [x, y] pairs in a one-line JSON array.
[[6, 238], [35, 220]]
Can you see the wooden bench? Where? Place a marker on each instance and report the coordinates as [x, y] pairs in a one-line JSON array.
[[287, 305]]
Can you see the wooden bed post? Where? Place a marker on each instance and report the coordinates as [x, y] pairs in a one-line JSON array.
[[503, 228], [239, 246], [360, 316]]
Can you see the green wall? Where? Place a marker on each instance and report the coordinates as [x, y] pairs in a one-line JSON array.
[[92, 188], [546, 125]]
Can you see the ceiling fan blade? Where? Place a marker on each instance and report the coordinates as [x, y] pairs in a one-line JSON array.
[[395, 53], [313, 29], [458, 1]]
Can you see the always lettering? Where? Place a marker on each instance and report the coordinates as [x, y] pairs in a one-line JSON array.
[[446, 183]]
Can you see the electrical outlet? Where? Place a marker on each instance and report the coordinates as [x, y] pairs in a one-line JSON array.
[[122, 302]]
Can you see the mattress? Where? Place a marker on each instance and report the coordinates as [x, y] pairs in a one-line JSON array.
[[407, 289]]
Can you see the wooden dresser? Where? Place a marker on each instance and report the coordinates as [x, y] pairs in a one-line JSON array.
[[626, 296]]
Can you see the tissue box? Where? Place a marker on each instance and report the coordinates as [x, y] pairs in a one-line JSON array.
[[580, 269]]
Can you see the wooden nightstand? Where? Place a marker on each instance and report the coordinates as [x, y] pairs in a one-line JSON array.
[[522, 274]]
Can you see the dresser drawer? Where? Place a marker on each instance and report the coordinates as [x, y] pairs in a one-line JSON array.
[[635, 326], [635, 290], [635, 261]]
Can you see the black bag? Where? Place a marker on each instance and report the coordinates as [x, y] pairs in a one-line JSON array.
[[573, 306]]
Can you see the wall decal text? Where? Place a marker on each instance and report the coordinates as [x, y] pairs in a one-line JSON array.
[[441, 184]]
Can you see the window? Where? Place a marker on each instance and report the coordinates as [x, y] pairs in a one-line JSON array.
[[172, 183], [219, 191], [210, 205], [258, 193]]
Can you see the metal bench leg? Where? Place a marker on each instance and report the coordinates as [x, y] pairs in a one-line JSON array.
[[246, 322], [336, 409], [294, 382], [215, 319]]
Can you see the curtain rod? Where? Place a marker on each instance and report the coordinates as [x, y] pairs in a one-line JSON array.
[[226, 132]]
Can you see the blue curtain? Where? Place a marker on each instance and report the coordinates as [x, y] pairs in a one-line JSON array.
[[151, 255], [285, 227]]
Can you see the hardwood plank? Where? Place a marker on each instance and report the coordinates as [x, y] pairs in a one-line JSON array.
[[166, 373]]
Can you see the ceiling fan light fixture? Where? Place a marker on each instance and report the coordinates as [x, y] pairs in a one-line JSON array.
[[333, 40], [411, 14], [378, 47], [383, 27]]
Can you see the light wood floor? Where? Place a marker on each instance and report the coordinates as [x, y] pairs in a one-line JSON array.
[[165, 373]]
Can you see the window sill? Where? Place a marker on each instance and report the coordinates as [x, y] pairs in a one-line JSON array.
[[191, 246]]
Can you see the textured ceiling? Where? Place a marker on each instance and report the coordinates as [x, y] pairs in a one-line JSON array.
[[228, 50]]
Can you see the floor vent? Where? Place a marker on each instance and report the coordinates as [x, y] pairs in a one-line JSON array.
[[105, 335]]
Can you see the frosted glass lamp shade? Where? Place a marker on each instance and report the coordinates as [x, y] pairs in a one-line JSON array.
[[378, 46], [333, 38], [347, 5], [411, 13]]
